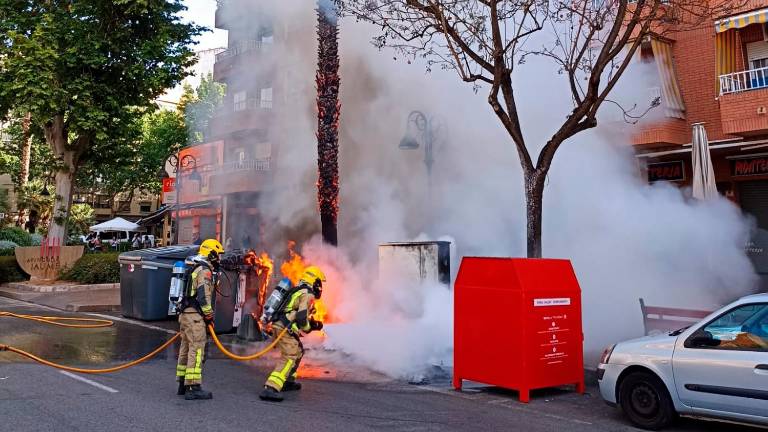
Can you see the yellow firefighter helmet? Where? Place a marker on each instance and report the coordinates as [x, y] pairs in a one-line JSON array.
[[312, 274], [314, 277], [210, 245]]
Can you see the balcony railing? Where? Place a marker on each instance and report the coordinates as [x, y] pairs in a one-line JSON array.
[[743, 81], [245, 165], [252, 103], [239, 48]]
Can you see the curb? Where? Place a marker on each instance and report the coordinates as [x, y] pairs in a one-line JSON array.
[[31, 288], [75, 307]]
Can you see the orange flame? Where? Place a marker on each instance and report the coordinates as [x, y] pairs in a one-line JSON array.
[[293, 269]]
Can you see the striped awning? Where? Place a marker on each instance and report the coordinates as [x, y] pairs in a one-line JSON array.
[[742, 20]]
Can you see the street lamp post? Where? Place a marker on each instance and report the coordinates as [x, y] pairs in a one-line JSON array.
[[425, 131]]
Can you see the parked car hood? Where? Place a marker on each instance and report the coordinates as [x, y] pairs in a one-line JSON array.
[[659, 346]]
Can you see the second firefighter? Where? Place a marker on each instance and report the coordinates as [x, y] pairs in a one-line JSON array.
[[295, 314]]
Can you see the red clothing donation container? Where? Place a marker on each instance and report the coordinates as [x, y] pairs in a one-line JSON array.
[[517, 324]]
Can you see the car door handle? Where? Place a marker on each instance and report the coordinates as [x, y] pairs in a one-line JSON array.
[[761, 369]]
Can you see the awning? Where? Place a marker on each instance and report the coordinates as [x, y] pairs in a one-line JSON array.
[[673, 98], [158, 215], [742, 20], [728, 55], [116, 224]]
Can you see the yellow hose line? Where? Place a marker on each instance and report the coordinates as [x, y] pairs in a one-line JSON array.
[[106, 323], [91, 371], [234, 356], [98, 323]]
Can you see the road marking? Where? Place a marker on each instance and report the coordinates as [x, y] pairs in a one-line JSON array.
[[134, 322], [89, 382]]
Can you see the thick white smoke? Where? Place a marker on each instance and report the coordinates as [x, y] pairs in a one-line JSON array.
[[626, 239]]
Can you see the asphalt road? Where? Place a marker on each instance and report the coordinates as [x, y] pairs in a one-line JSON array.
[[340, 398]]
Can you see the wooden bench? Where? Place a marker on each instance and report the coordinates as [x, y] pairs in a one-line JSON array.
[[663, 319]]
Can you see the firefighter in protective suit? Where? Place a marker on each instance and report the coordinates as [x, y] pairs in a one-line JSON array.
[[196, 313], [296, 315]]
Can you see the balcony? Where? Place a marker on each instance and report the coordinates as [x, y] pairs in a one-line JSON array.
[[250, 175], [251, 113], [745, 113], [241, 57], [744, 81]]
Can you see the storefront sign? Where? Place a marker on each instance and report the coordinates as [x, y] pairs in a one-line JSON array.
[[169, 191], [749, 167], [666, 171]]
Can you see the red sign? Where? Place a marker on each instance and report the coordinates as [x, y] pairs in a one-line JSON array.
[[666, 171], [522, 331], [749, 167], [169, 190]]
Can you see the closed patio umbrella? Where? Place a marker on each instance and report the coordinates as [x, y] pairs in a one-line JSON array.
[[704, 186]]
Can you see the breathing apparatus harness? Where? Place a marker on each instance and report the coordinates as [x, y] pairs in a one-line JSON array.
[[274, 307], [180, 296]]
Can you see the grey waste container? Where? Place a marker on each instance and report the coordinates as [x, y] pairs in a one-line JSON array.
[[145, 279]]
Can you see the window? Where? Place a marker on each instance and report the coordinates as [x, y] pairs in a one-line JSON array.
[[744, 328], [266, 98], [145, 207], [240, 100], [759, 63]]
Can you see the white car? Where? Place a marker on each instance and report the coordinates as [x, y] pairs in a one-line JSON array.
[[714, 369]]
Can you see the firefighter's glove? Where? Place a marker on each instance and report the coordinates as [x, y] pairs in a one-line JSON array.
[[315, 325], [294, 329], [208, 318]]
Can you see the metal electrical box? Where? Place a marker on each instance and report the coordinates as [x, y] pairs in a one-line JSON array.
[[423, 262], [517, 324]]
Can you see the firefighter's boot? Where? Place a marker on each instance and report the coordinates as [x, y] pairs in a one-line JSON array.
[[291, 386], [182, 389], [195, 392], [270, 394]]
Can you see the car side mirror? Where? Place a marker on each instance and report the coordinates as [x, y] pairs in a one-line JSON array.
[[701, 339]]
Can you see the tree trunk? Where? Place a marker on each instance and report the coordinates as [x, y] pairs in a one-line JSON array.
[[26, 156], [26, 149], [534, 196], [328, 111], [56, 135], [63, 199]]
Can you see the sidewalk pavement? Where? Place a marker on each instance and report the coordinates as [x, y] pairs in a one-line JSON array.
[[66, 296]]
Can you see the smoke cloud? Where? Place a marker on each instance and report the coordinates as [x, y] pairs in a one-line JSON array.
[[626, 239]]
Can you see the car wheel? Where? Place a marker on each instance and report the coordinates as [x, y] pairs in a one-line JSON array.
[[645, 400]]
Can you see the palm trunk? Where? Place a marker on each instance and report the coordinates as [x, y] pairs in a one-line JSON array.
[[534, 195], [328, 111]]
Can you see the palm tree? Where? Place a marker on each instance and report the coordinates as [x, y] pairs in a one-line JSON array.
[[328, 111]]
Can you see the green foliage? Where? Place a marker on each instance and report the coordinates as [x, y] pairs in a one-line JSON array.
[[80, 219], [37, 239], [94, 269], [16, 235], [10, 270], [42, 163], [200, 105], [88, 70], [7, 248], [136, 163]]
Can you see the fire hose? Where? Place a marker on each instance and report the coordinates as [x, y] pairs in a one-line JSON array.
[[98, 323]]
